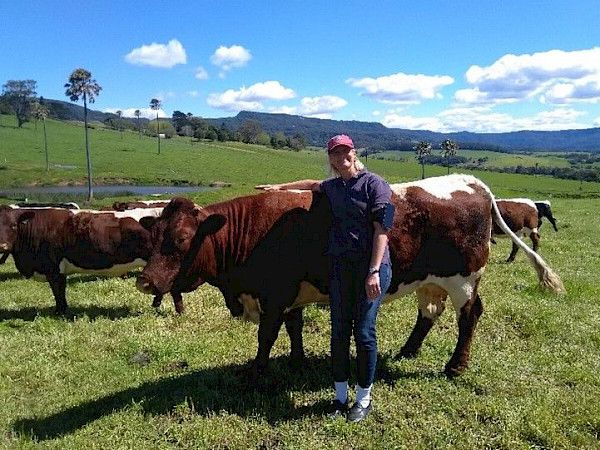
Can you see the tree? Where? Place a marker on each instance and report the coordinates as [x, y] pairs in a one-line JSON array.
[[137, 114], [180, 120], [82, 85], [20, 94], [449, 149], [422, 149], [40, 112], [155, 105], [119, 114], [250, 131], [278, 140]]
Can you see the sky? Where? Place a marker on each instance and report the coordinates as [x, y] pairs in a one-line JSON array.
[[480, 66]]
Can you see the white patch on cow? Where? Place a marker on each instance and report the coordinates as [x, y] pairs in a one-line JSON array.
[[66, 268], [308, 294], [525, 201], [252, 308], [136, 214], [441, 187], [545, 202]]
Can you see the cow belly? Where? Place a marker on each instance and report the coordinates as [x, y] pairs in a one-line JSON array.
[[66, 268], [523, 232]]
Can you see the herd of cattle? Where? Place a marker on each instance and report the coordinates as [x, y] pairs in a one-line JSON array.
[[266, 253]]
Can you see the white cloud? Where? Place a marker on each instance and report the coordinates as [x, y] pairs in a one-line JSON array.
[[318, 107], [201, 73], [250, 98], [376, 113], [158, 55], [484, 120], [193, 94], [402, 88], [597, 122], [130, 112], [228, 58], [556, 76]]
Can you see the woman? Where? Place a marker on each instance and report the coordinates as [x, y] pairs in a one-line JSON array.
[[360, 271]]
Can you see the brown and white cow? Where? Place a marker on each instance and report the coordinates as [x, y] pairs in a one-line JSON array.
[[524, 218], [49, 244], [135, 204], [266, 254]]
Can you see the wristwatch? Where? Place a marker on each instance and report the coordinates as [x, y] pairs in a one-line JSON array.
[[373, 270]]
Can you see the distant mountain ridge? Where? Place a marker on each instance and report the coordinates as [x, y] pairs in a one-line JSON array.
[[375, 136]]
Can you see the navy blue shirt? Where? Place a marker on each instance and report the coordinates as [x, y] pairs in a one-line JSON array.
[[352, 203]]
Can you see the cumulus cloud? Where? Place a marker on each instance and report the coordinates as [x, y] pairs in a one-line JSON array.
[[130, 112], [228, 58], [401, 88], [250, 98], [484, 120], [201, 73], [158, 55], [555, 76], [322, 107], [597, 122]]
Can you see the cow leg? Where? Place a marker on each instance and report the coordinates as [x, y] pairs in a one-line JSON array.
[[513, 253], [467, 321], [293, 324], [535, 240], [268, 329], [4, 257], [157, 301], [431, 305], [178, 302], [58, 284]]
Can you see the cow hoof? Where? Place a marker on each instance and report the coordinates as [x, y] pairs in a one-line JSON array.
[[156, 303], [407, 353], [454, 371]]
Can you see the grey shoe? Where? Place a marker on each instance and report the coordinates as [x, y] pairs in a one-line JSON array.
[[337, 409], [358, 413]]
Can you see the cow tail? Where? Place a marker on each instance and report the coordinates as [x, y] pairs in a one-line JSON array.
[[546, 276]]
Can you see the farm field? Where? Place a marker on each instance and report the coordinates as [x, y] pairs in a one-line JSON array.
[[118, 374]]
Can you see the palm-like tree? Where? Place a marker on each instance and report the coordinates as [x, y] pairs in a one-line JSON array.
[[119, 114], [40, 112], [422, 149], [155, 104], [137, 114], [82, 85], [449, 149]]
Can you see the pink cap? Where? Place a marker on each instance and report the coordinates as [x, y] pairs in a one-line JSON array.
[[340, 139]]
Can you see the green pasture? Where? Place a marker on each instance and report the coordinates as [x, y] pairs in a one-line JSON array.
[[116, 373]]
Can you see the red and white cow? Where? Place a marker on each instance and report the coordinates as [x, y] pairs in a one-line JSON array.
[[524, 218], [266, 254], [49, 244]]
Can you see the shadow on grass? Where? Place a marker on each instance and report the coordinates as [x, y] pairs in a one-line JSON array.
[[206, 392], [92, 312], [6, 276]]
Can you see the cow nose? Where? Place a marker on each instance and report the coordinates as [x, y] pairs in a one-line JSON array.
[[4, 246], [143, 285]]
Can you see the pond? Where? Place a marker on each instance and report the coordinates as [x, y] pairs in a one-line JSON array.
[[106, 190]]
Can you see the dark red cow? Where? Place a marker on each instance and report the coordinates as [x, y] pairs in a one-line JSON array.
[[266, 254], [524, 218], [50, 244]]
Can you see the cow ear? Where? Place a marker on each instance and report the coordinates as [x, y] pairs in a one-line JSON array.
[[25, 217], [147, 222], [212, 224]]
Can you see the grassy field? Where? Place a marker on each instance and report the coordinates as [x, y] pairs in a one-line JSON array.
[[118, 374]]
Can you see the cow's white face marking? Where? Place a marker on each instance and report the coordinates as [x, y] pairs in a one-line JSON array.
[[252, 308], [66, 268], [441, 187]]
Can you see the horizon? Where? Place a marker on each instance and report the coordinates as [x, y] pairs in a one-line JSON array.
[[487, 69]]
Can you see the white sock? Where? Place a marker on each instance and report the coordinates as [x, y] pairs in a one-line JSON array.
[[363, 395], [341, 391]]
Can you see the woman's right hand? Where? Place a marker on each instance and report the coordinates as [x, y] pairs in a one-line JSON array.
[[268, 187]]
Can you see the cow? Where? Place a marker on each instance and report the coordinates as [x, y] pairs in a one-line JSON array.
[[49, 244], [134, 204], [266, 253], [524, 218]]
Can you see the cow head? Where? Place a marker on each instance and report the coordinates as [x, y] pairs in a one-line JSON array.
[[182, 256], [9, 223]]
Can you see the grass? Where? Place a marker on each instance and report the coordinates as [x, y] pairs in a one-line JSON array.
[[118, 374]]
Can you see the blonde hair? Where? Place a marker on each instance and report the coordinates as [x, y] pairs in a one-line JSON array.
[[358, 165]]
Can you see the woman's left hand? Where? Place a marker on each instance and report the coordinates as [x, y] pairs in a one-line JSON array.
[[372, 286]]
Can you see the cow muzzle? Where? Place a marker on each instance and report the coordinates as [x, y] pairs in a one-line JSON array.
[[144, 285]]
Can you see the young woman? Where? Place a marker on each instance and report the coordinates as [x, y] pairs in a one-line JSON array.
[[360, 271]]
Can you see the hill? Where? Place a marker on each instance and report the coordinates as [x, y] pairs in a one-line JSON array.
[[375, 136]]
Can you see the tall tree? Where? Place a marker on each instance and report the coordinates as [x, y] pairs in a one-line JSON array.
[[20, 94], [82, 85], [449, 149], [119, 114], [155, 104], [422, 149], [137, 114], [250, 131], [40, 112]]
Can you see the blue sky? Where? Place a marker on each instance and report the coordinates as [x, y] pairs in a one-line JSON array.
[[481, 66]]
